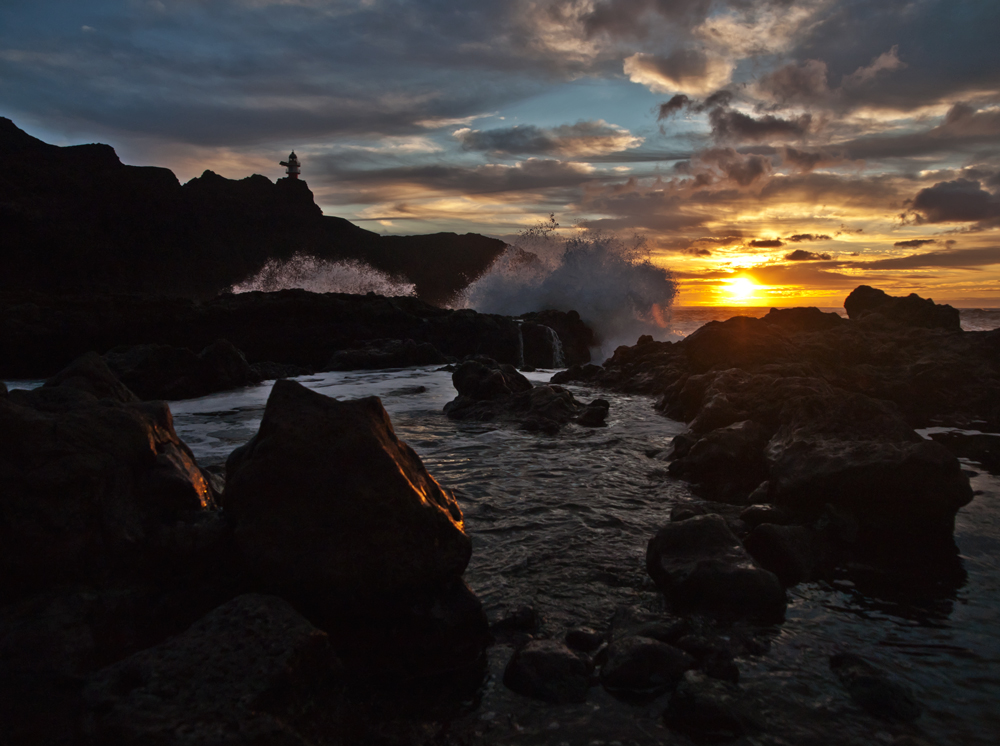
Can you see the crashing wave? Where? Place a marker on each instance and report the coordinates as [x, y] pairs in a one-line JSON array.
[[323, 276], [611, 282]]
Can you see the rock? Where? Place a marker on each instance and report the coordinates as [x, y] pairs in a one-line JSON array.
[[541, 347], [796, 554], [754, 515], [386, 353], [630, 621], [983, 448], [224, 681], [643, 667], [89, 486], [711, 711], [165, 372], [701, 567], [578, 374], [268, 371], [714, 655], [740, 342], [3, 390], [584, 639], [550, 671], [865, 301], [486, 380], [337, 515], [594, 414], [516, 625], [796, 320], [683, 512], [90, 374], [873, 690], [575, 336], [726, 464]]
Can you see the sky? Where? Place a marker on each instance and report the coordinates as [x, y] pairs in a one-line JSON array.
[[771, 152]]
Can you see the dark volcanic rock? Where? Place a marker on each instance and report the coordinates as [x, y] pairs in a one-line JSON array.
[[490, 391], [796, 554], [873, 689], [91, 374], [550, 671], [868, 302], [642, 666], [711, 711], [575, 336], [224, 681], [164, 372], [727, 463], [89, 486], [386, 353], [336, 514], [803, 320], [701, 567], [541, 347]]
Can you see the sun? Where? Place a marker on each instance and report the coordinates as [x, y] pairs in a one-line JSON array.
[[741, 288]]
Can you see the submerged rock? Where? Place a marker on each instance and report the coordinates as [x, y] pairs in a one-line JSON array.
[[711, 711], [796, 554], [701, 567], [224, 681], [550, 671], [873, 689], [639, 666], [335, 513]]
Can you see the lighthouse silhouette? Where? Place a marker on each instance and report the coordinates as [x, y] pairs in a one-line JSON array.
[[291, 166]]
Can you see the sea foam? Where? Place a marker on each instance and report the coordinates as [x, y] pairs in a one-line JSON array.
[[323, 276]]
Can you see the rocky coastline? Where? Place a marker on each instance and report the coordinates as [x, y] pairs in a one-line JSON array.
[[314, 592]]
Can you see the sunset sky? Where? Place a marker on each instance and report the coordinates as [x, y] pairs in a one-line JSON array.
[[776, 152]]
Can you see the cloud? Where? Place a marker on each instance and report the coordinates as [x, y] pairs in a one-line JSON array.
[[804, 82], [730, 164], [801, 255], [687, 70], [964, 258], [766, 243], [735, 126], [806, 160], [799, 237], [915, 243], [885, 62], [582, 139], [958, 201]]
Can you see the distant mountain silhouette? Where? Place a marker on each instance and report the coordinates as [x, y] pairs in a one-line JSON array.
[[76, 219]]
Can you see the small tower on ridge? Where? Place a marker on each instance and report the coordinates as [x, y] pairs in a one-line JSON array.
[[291, 166]]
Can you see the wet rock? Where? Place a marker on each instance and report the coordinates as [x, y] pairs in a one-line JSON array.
[[754, 515], [584, 639], [224, 681], [630, 621], [711, 711], [683, 512], [726, 464], [379, 354], [874, 690], [88, 485], [486, 380], [594, 414], [701, 567], [912, 310], [578, 374], [739, 342], [516, 625], [3, 390], [643, 667], [541, 347], [550, 671], [714, 655], [336, 514], [983, 448], [796, 554], [575, 336]]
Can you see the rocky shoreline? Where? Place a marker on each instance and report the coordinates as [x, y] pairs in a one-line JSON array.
[[314, 591]]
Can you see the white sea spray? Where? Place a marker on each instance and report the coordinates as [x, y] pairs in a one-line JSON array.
[[323, 276]]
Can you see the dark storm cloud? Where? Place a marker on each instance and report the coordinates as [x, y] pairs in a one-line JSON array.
[[582, 139], [733, 165], [959, 258], [807, 160], [915, 243], [801, 255], [766, 243], [737, 126], [631, 18], [958, 201]]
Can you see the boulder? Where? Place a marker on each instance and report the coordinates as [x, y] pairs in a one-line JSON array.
[[335, 513], [594, 414], [575, 337], [740, 342], [727, 463], [701, 567], [550, 671], [226, 680], [486, 380], [89, 486], [874, 689], [89, 373], [796, 554], [796, 320], [541, 347], [584, 639], [643, 667]]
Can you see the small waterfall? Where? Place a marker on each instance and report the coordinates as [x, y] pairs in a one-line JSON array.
[[558, 357]]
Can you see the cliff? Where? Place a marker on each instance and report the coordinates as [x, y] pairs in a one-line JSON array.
[[76, 219]]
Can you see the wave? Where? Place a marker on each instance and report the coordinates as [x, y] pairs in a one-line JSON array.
[[610, 282], [324, 276]]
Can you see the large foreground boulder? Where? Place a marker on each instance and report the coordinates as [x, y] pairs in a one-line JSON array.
[[224, 681], [89, 486], [335, 513], [701, 567]]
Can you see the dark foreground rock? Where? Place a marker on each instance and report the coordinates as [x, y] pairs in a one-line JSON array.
[[488, 390], [224, 681], [701, 567], [550, 671], [337, 515], [379, 354], [711, 711], [640, 667]]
